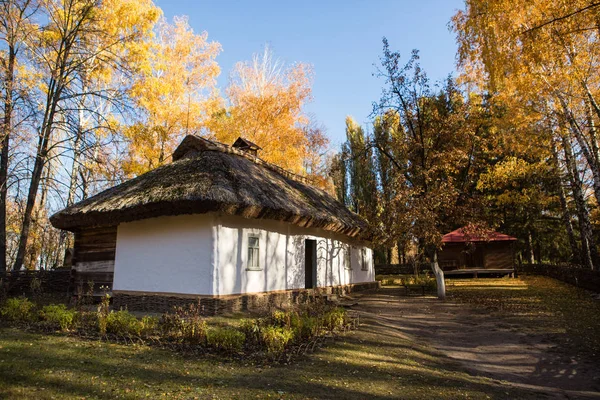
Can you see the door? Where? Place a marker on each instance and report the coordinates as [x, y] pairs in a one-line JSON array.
[[475, 258], [310, 263]]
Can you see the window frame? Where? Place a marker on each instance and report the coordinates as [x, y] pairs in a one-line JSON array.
[[257, 266], [363, 258], [347, 258]]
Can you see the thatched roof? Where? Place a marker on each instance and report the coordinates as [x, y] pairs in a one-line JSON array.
[[205, 177]]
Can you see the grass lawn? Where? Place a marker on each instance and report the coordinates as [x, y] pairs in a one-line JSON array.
[[47, 366], [376, 362]]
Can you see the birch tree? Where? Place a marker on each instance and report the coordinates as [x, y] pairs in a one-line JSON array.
[[63, 47], [15, 30], [540, 52]]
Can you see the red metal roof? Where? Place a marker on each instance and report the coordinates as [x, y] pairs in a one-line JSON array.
[[459, 236]]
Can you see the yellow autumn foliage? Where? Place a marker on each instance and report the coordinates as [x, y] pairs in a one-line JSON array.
[[175, 81], [265, 104]]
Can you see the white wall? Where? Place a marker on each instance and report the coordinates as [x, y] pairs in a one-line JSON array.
[[282, 257], [207, 254], [165, 254]]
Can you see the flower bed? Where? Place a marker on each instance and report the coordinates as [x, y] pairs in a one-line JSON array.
[[276, 335]]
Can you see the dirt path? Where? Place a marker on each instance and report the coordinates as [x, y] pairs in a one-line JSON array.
[[487, 345]]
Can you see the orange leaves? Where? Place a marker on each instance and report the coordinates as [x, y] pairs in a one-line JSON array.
[[172, 88], [265, 105]]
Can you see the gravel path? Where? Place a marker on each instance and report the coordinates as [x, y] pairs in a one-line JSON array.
[[487, 345]]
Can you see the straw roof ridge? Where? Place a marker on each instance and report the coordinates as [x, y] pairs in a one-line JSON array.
[[205, 177], [191, 145]]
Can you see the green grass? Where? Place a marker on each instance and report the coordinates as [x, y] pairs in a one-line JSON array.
[[372, 362]]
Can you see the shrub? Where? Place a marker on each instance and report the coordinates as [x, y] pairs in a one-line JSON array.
[[307, 328], [193, 331], [170, 324], [290, 319], [251, 329], [149, 325], [226, 339], [334, 319], [58, 315], [123, 323], [88, 321], [276, 338], [18, 310], [184, 324], [425, 280], [280, 318], [103, 312]]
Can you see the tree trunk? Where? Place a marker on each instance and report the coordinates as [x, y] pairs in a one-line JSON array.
[[439, 276], [63, 235], [36, 177], [589, 253], [530, 254], [38, 167], [61, 71], [566, 217], [585, 148], [4, 153], [566, 213]]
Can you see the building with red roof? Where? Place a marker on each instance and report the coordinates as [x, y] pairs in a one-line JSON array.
[[468, 248]]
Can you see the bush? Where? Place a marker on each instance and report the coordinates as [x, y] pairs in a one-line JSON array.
[[58, 315], [193, 331], [170, 325], [280, 318], [251, 329], [307, 328], [184, 324], [290, 319], [149, 325], [276, 338], [123, 323], [226, 339], [424, 280], [18, 310], [102, 314], [87, 321], [334, 319]]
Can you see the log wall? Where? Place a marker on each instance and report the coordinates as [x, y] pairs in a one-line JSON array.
[[94, 257]]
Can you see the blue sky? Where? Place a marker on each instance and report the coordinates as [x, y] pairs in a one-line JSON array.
[[341, 39]]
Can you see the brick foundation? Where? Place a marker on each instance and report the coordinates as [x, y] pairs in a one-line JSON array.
[[210, 305]]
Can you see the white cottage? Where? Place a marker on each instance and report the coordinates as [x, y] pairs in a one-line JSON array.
[[217, 223]]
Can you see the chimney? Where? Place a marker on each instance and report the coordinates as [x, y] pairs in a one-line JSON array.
[[247, 146]]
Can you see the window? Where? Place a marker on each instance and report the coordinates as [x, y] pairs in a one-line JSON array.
[[347, 260], [253, 252], [363, 256]]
